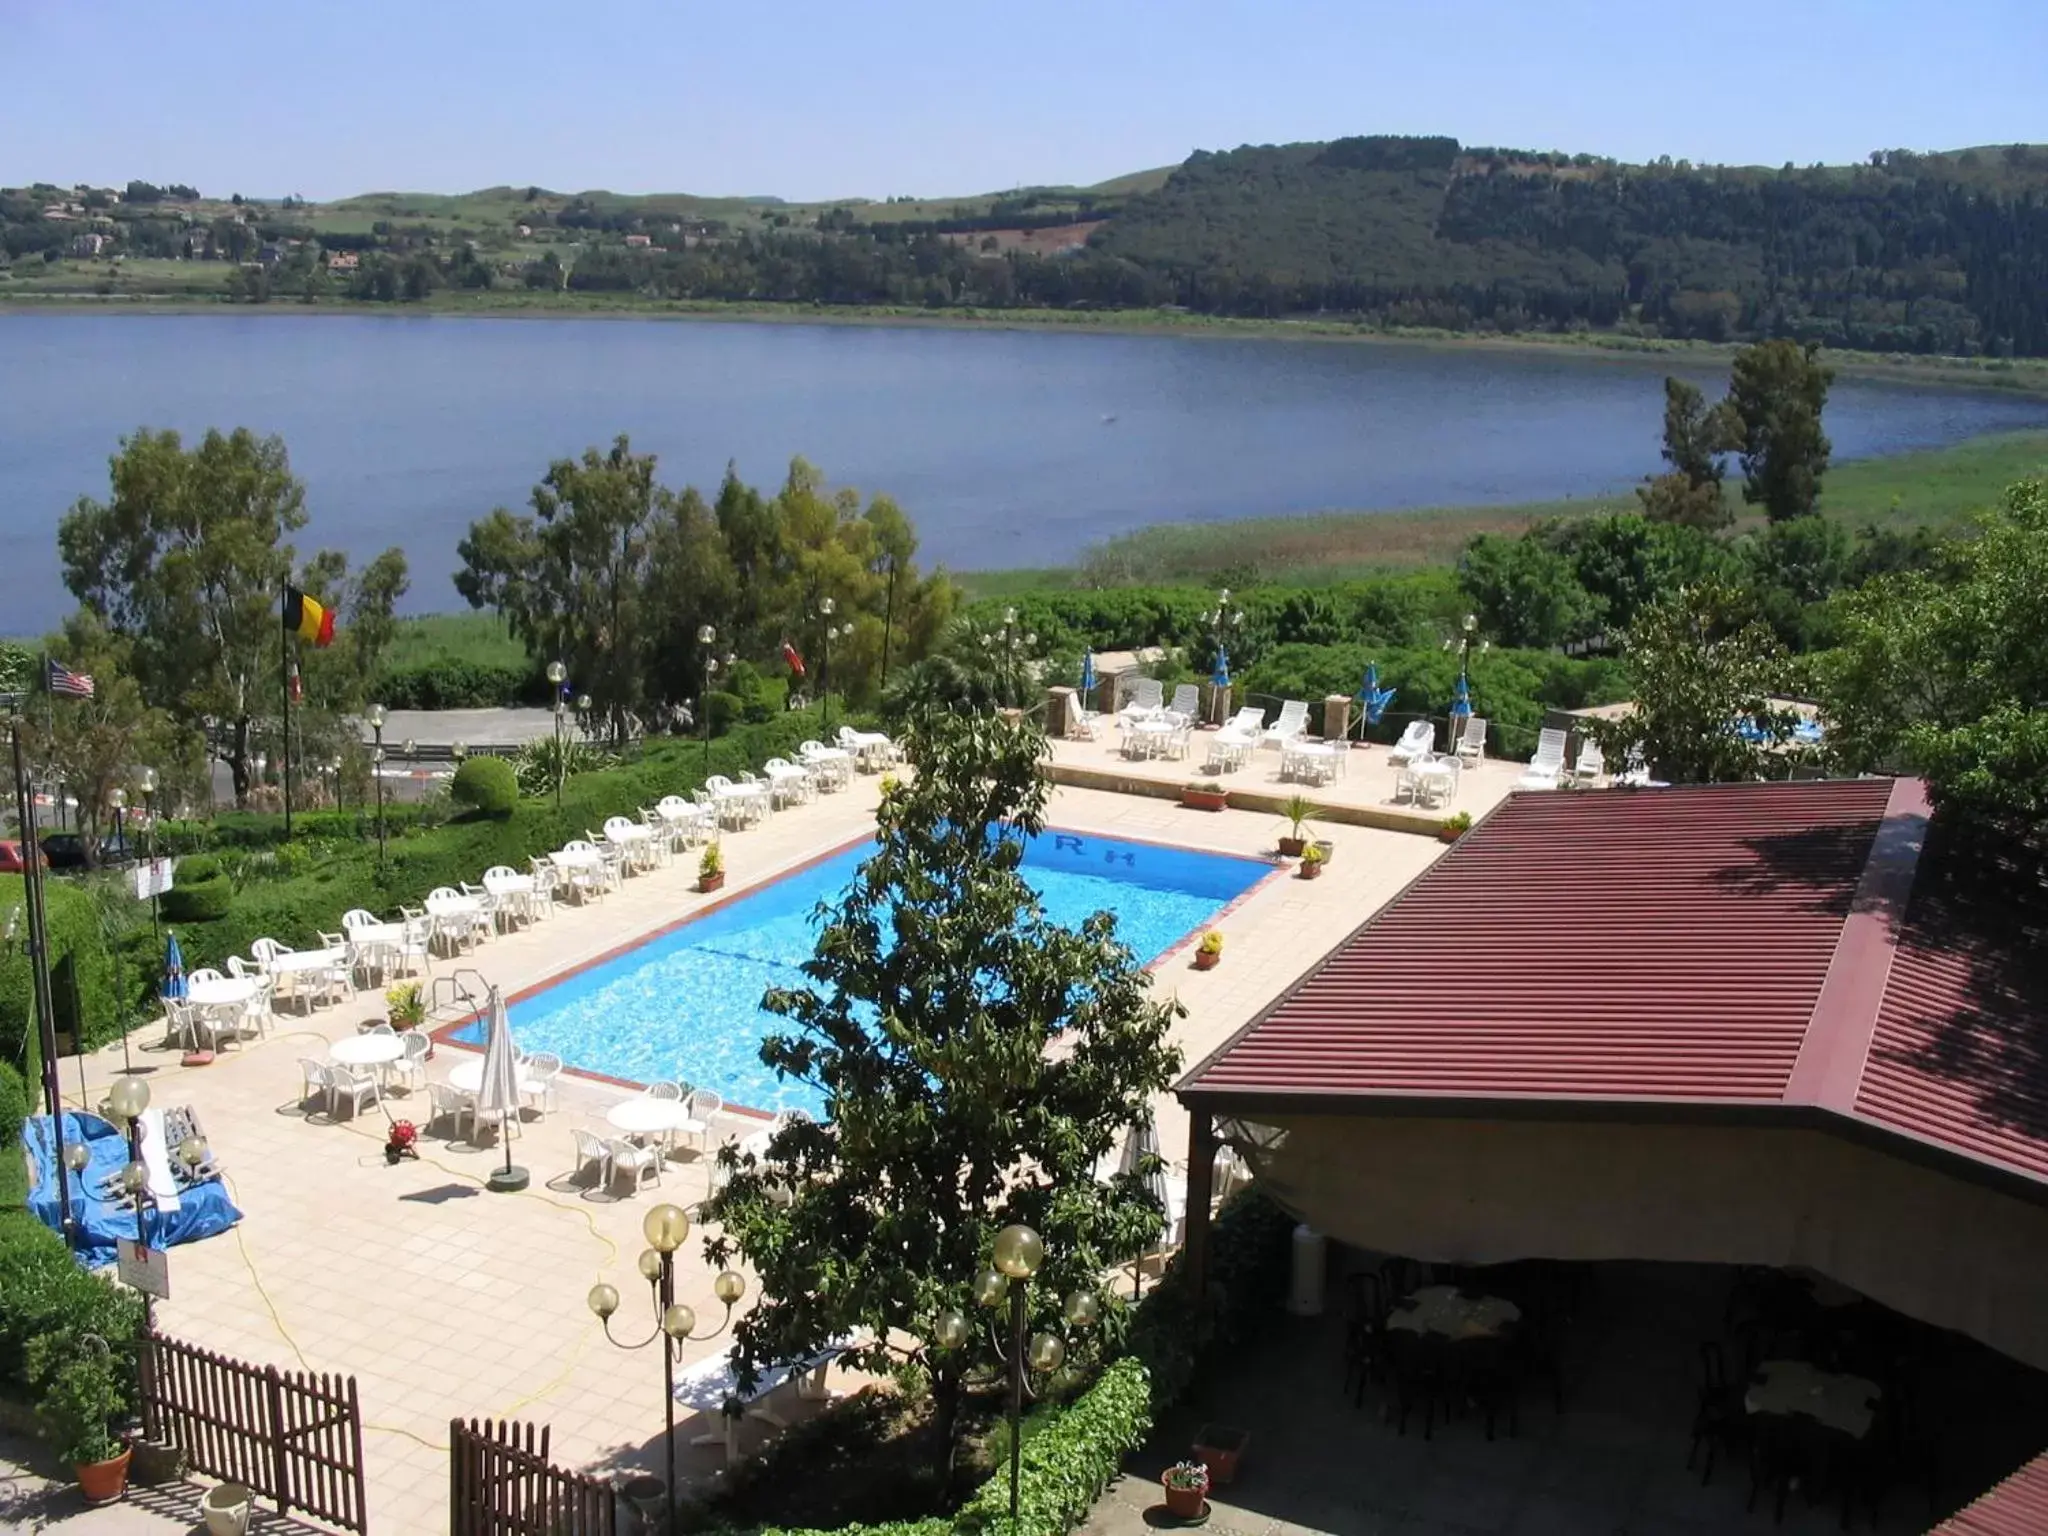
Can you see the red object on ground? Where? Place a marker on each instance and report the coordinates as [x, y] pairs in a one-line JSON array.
[[196, 1059]]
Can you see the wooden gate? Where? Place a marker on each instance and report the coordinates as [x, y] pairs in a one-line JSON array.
[[501, 1483], [292, 1436]]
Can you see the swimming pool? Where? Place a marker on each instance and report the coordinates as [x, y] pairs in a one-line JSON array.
[[687, 1003]]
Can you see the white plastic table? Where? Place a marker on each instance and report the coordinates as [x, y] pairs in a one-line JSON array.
[[1845, 1403], [228, 992], [469, 1078], [366, 1050], [1441, 1309], [647, 1117], [297, 962]]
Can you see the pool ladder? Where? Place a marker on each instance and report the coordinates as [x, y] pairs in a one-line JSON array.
[[458, 996]]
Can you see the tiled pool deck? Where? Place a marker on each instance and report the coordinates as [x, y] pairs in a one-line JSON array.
[[446, 1301]]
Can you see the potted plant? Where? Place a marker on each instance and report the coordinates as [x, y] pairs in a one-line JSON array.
[[1187, 1489], [1311, 863], [405, 1005], [1199, 796], [401, 1141], [711, 869], [1209, 951], [1451, 828], [79, 1408], [1299, 811]]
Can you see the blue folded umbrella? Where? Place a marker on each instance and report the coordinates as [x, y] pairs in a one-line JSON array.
[[1373, 696], [1221, 676], [1087, 673], [172, 983], [1461, 699]]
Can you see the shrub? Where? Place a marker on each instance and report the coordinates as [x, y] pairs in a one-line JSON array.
[[1249, 1255], [197, 899], [13, 1116], [82, 974], [47, 1301], [487, 785], [449, 684]]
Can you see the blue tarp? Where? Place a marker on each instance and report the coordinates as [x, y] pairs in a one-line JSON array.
[[202, 1210]]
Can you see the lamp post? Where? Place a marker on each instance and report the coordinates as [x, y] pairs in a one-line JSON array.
[[666, 1228], [1019, 1251], [706, 637], [825, 607], [128, 1098], [1466, 638], [1224, 620], [149, 810], [583, 714], [377, 774], [118, 798], [557, 673]]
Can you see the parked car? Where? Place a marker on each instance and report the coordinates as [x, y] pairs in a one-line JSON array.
[[13, 861], [64, 850]]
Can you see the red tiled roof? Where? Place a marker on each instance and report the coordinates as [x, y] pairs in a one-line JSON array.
[[1666, 944], [2016, 1507], [1764, 945]]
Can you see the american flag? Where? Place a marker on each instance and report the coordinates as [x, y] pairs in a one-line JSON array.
[[61, 679]]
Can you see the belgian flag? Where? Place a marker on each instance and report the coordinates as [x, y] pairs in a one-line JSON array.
[[306, 618]]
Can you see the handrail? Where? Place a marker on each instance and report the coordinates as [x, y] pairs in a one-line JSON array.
[[461, 999]]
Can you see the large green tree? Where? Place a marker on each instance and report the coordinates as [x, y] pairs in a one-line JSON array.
[[976, 1061], [1526, 593], [1776, 395], [572, 577], [1700, 668], [187, 560], [1695, 437], [1944, 672]]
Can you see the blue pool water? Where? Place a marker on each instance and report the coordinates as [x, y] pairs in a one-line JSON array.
[[688, 1004]]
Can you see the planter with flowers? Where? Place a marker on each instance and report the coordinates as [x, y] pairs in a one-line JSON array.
[[1209, 953], [711, 869], [1200, 796], [401, 1141], [1312, 862], [1187, 1489], [1451, 828], [1300, 812]]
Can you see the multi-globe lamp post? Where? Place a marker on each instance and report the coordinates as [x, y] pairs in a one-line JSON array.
[[1018, 1253], [667, 1228], [1226, 623], [557, 674], [1466, 638], [825, 610], [377, 773], [1007, 650], [128, 1098], [706, 637]]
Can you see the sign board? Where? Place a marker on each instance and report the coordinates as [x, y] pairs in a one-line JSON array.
[[153, 877], [144, 1269]]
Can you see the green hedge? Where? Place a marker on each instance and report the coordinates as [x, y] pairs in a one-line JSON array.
[[297, 904], [47, 1301], [13, 1116], [255, 829], [82, 975], [1063, 1468], [451, 684], [486, 785]]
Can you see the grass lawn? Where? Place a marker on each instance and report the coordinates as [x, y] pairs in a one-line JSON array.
[[430, 639], [1937, 486]]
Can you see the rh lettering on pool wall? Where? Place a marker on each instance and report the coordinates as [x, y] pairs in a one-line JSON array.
[[1066, 842]]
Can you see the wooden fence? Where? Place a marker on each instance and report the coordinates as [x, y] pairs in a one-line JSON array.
[[292, 1436], [501, 1483]]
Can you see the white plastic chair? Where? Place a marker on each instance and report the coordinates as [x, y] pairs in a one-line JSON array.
[[411, 1068], [353, 1084], [667, 1091], [1547, 764], [1419, 740], [445, 1100], [542, 1068], [703, 1104], [313, 1080], [1472, 740], [1292, 724], [593, 1152], [641, 1162], [1592, 761], [1187, 701]]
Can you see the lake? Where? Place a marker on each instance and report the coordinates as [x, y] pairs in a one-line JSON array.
[[1008, 448]]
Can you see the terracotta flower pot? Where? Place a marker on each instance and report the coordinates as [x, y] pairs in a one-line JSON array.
[[1206, 959], [102, 1482], [1219, 1447], [1184, 1503], [709, 883], [1290, 847], [1205, 799]]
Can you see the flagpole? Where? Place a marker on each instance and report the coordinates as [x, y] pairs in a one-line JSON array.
[[39, 970], [284, 671]]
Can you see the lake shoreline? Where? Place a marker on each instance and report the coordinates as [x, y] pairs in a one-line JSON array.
[[2023, 376]]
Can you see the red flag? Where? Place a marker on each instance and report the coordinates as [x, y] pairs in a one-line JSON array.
[[796, 662], [298, 687]]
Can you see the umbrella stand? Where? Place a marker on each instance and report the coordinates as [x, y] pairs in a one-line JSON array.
[[499, 1094], [507, 1180]]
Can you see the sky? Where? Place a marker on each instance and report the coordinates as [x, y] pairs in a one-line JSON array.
[[885, 97]]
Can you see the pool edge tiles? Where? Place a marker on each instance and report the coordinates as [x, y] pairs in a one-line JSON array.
[[683, 998]]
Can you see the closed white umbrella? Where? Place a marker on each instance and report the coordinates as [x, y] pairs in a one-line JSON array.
[[1141, 1143], [498, 1094]]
